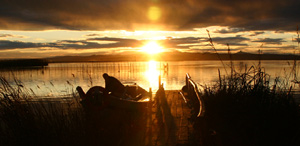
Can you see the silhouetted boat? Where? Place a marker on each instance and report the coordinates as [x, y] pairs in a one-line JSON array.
[[97, 98]]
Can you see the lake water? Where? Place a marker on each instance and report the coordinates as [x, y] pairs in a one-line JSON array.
[[60, 79]]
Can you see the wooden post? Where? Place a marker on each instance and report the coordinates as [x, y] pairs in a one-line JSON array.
[[159, 82], [150, 92], [186, 79]]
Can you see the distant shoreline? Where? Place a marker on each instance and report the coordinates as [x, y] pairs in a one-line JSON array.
[[170, 60], [171, 57], [17, 63], [177, 56]]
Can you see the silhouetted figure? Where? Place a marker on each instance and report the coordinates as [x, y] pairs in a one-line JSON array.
[[113, 85]]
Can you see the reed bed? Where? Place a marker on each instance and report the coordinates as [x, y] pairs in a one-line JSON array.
[[27, 120], [244, 108], [30, 121]]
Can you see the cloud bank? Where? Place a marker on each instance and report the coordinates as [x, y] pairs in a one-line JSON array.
[[136, 14]]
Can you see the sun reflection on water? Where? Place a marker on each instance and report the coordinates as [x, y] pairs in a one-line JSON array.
[[152, 74]]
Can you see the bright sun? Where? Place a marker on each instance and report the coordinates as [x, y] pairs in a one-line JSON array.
[[152, 48]]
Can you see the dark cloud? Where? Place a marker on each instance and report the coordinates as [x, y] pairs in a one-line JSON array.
[[194, 44], [93, 35], [257, 33], [6, 45], [232, 41], [182, 43], [213, 51], [119, 42], [280, 31], [270, 41], [230, 30], [5, 35], [201, 42], [173, 43], [132, 14], [74, 44], [10, 36], [103, 42]]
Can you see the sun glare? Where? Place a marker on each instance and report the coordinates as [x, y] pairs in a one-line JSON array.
[[152, 74], [152, 48], [154, 13]]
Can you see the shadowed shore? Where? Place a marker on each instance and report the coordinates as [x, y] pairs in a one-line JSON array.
[[23, 63]]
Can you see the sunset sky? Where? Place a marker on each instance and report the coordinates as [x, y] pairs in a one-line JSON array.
[[41, 28]]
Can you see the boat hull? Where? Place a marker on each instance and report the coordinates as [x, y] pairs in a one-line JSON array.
[[98, 98], [116, 102]]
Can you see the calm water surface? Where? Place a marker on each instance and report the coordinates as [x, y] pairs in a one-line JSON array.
[[60, 79]]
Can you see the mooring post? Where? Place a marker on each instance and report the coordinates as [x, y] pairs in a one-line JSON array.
[[159, 81], [150, 92]]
